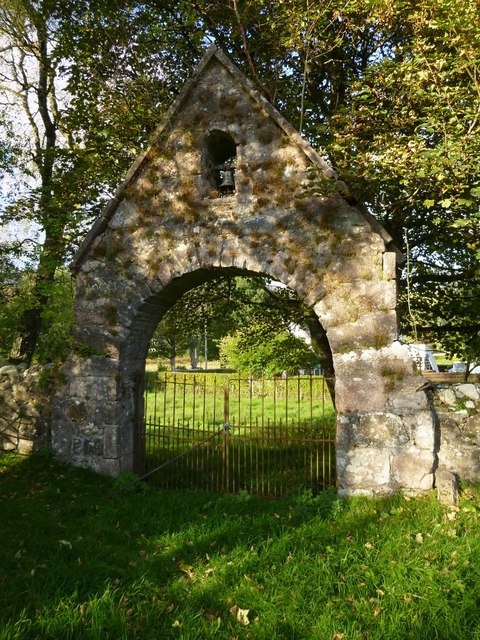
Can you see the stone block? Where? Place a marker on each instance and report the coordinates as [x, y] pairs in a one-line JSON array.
[[389, 265], [93, 447], [422, 429], [111, 441], [358, 388], [377, 430], [446, 484], [469, 391], [366, 470], [447, 396], [413, 469]]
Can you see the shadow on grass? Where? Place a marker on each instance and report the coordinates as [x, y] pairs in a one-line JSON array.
[[79, 560]]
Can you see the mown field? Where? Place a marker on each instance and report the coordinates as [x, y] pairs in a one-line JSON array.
[[201, 398], [82, 558]]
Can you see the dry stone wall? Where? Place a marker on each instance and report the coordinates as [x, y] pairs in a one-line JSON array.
[[458, 411], [25, 407]]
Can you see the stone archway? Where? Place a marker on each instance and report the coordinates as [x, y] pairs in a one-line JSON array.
[[170, 228]]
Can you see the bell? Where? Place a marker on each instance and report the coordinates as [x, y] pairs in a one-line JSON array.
[[227, 183]]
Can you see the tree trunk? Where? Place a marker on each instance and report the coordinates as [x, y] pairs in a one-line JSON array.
[[173, 354], [53, 219]]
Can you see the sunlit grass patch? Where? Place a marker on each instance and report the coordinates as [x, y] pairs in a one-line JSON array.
[[82, 558]]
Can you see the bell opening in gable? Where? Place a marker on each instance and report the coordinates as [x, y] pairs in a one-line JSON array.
[[220, 162]]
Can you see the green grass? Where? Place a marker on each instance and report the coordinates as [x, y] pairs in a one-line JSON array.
[[282, 434], [78, 560], [192, 398]]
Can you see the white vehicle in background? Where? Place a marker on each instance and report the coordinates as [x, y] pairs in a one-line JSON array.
[[461, 367]]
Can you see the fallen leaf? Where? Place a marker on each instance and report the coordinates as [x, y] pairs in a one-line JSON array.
[[188, 570], [65, 543], [242, 616]]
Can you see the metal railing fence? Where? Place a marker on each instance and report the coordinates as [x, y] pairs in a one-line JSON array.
[[216, 432]]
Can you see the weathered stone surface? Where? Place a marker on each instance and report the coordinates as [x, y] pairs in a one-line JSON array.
[[469, 391], [365, 471], [446, 483], [413, 469], [25, 408]]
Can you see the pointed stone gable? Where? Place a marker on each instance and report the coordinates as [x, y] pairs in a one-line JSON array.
[[217, 82]]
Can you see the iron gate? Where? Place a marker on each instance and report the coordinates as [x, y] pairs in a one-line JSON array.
[[218, 432]]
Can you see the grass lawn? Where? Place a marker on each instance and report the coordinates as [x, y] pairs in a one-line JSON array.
[[79, 559], [191, 398]]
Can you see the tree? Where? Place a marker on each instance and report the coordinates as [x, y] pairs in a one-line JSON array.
[[249, 319], [388, 90], [257, 351], [29, 74], [83, 89]]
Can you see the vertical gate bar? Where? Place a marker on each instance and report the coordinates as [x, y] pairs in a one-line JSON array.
[[174, 397], [220, 460], [311, 399], [304, 452], [311, 433], [284, 438], [204, 398], [226, 420], [194, 399], [268, 456], [298, 399], [263, 436], [274, 400], [248, 456], [225, 461], [297, 435], [286, 398], [166, 472], [278, 465], [328, 437], [155, 388], [325, 458], [214, 400], [194, 438], [164, 397], [183, 463], [254, 465], [276, 475]]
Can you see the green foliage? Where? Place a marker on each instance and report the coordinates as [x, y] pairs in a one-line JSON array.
[[260, 349], [129, 483], [388, 91], [219, 307]]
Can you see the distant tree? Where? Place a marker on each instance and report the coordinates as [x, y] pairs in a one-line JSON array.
[[259, 350]]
